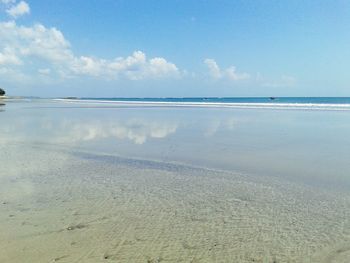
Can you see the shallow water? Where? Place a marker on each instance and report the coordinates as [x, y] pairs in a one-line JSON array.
[[110, 183]]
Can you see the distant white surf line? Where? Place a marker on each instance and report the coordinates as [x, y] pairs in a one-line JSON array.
[[296, 106]]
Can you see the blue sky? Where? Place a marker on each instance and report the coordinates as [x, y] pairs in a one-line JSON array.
[[111, 48]]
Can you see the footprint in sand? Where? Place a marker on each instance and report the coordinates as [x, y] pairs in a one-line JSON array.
[[74, 227]]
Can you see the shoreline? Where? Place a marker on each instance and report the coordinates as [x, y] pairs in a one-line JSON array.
[[283, 106]]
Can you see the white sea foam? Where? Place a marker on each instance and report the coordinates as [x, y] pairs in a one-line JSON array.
[[249, 105]]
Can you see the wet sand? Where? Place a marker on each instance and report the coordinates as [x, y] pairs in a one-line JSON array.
[[59, 205]]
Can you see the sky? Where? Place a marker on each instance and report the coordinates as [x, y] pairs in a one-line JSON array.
[[175, 48]]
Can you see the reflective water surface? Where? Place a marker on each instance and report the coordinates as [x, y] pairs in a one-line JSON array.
[[102, 183]]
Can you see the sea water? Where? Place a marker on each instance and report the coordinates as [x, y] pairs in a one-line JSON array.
[[330, 103], [93, 180]]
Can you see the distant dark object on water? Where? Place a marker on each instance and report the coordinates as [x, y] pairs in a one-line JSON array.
[[272, 98], [2, 92]]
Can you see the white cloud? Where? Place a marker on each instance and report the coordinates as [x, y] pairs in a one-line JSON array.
[[8, 57], [36, 41], [134, 67], [7, 2], [18, 10], [50, 47], [229, 73], [44, 71], [213, 67], [232, 74]]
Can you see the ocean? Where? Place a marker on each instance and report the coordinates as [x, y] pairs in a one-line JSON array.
[[318, 103]]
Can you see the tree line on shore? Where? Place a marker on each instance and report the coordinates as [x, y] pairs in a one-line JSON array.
[[2, 92]]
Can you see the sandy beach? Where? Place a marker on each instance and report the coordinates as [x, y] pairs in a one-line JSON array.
[[102, 208], [62, 202]]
